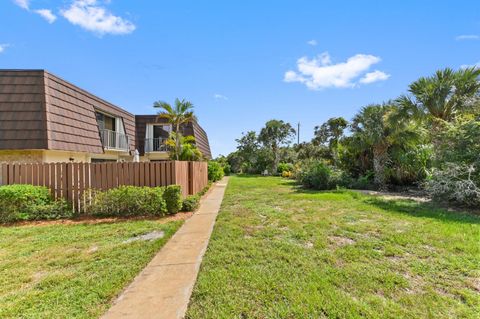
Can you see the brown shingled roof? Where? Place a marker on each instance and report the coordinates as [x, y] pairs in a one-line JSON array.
[[39, 110]]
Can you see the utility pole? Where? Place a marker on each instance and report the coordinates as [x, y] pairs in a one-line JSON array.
[[298, 133]]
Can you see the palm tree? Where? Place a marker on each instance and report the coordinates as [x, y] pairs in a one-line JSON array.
[[181, 113], [188, 149], [439, 98], [380, 127]]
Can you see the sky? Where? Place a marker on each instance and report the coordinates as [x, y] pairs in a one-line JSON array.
[[241, 63]]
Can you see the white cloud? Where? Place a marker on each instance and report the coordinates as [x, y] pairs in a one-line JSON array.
[[3, 47], [475, 65], [47, 15], [220, 97], [374, 77], [319, 72], [25, 4], [93, 17], [312, 42], [467, 37], [44, 13]]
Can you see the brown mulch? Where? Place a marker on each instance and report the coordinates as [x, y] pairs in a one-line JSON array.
[[89, 220]]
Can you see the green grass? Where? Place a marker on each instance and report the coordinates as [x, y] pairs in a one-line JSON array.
[[71, 271], [280, 252]]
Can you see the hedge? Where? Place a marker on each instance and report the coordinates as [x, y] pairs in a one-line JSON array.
[[27, 202]]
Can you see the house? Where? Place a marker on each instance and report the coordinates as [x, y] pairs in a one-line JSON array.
[[44, 119]]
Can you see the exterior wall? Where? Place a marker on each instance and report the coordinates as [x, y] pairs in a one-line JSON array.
[[156, 156], [22, 110], [52, 156], [112, 156], [201, 140], [21, 156], [64, 157]]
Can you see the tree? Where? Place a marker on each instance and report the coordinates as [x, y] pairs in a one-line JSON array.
[[275, 134], [235, 161], [380, 127], [247, 150], [440, 97], [181, 113], [329, 134], [307, 150]]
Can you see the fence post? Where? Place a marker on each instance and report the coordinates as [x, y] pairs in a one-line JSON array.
[[191, 178]]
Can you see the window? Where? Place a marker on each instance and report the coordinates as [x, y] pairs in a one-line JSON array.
[[161, 131], [105, 122]]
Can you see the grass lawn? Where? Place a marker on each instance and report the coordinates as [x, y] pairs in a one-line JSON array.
[[280, 252], [71, 271]]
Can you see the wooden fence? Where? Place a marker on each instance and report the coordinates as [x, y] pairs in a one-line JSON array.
[[71, 180]]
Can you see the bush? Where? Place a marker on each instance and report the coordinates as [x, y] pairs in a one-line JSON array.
[[28, 202], [215, 171], [173, 198], [205, 189], [227, 169], [363, 182], [454, 183], [127, 201], [190, 203], [318, 175], [284, 167], [287, 174], [55, 210]]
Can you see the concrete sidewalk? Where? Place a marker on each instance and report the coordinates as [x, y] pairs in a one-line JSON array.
[[163, 288]]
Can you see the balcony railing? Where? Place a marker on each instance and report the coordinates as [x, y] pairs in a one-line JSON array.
[[155, 145], [114, 140]]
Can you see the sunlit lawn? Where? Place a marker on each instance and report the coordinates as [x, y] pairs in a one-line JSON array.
[[280, 252], [71, 271]]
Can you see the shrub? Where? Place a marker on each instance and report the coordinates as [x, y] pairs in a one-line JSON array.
[[319, 175], [284, 167], [363, 182], [28, 202], [215, 171], [454, 183], [190, 203], [205, 189], [227, 169], [127, 201], [316, 175], [287, 174], [173, 198], [55, 210]]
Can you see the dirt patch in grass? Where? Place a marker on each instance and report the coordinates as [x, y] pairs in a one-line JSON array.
[[156, 234], [416, 283], [340, 241], [251, 230], [89, 220], [417, 197], [308, 245], [474, 283]]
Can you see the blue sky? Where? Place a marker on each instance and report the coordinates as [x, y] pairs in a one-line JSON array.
[[241, 62]]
